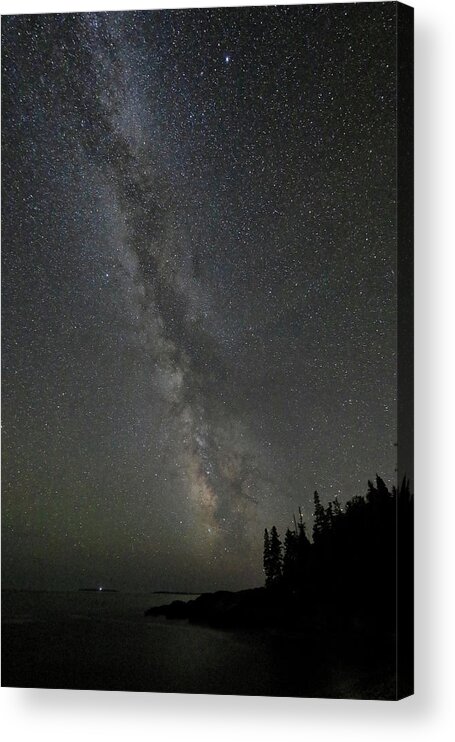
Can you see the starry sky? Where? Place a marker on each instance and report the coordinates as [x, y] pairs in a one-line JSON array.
[[199, 285]]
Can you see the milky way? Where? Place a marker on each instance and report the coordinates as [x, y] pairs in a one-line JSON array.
[[199, 285]]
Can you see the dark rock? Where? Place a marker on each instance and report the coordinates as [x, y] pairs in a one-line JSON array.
[[223, 609], [176, 609]]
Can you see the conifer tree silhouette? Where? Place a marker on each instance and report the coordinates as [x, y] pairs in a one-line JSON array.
[[320, 519], [272, 558], [290, 557], [266, 556]]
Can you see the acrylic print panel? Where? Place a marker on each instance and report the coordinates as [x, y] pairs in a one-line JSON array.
[[207, 351]]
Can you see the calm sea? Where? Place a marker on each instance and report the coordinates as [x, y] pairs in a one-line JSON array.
[[102, 641]]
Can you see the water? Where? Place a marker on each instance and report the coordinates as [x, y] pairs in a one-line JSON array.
[[102, 641], [91, 640]]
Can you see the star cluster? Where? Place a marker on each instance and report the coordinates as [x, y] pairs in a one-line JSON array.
[[199, 285]]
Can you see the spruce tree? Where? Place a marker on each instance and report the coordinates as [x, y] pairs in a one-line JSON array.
[[275, 564], [266, 557], [336, 508], [320, 520], [290, 557]]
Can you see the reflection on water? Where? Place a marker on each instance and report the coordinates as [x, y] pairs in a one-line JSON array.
[[102, 641]]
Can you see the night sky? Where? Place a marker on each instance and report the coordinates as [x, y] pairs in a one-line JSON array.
[[199, 289]]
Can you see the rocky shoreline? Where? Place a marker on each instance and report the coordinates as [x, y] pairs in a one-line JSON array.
[[223, 609], [256, 608]]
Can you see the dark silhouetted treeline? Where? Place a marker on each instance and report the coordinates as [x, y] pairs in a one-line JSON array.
[[345, 595], [354, 581], [350, 570]]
